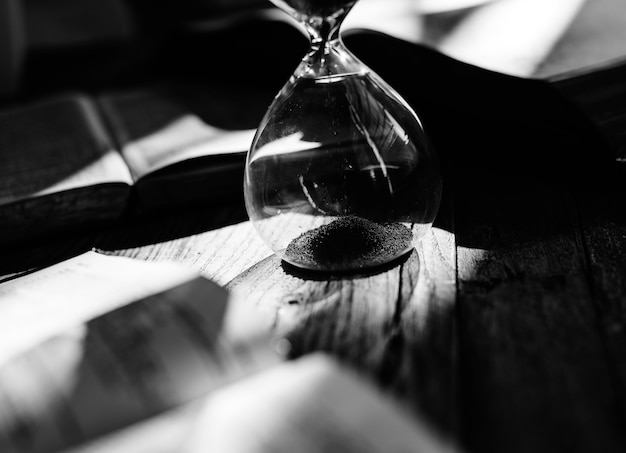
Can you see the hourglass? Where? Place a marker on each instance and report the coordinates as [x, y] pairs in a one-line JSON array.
[[341, 175]]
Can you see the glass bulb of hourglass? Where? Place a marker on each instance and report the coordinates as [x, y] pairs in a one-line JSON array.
[[340, 175]]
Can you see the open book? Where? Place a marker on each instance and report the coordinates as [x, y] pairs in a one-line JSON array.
[[97, 343], [73, 159]]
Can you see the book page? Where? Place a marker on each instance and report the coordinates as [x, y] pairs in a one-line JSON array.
[[116, 341], [161, 126], [183, 139], [310, 405], [51, 300], [163, 433], [54, 145]]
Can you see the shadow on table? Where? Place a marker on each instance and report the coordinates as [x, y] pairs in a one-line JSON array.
[[165, 226], [387, 323]]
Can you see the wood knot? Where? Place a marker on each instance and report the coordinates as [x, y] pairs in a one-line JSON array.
[[293, 299]]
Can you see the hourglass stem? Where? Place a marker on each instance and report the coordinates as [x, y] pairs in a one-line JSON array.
[[323, 31], [327, 55]]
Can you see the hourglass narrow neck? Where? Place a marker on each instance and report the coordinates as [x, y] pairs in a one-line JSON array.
[[323, 31], [327, 55]]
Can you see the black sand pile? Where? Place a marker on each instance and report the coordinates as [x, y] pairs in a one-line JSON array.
[[349, 243]]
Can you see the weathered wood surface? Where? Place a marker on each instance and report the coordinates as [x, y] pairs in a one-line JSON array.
[[506, 334], [533, 370], [395, 326], [603, 219]]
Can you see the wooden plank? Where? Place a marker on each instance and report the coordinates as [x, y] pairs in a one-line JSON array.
[[396, 326], [604, 232], [534, 375], [219, 254]]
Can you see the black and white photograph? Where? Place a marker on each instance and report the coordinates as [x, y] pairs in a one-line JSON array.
[[312, 226]]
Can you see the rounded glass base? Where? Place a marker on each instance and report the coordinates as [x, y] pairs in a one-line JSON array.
[[338, 244]]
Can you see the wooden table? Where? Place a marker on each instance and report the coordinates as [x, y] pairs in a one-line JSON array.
[[504, 328]]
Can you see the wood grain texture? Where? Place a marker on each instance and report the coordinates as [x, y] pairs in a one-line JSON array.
[[220, 254], [527, 355], [533, 370], [395, 326], [603, 221]]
